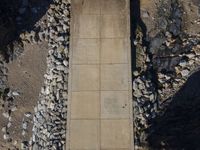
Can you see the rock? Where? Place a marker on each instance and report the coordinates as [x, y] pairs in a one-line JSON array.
[[191, 62], [141, 86], [183, 63], [136, 73], [35, 147], [28, 114], [6, 114], [14, 93], [25, 125], [190, 55], [145, 14], [137, 93], [61, 38], [60, 68], [9, 125], [4, 129], [6, 136], [168, 34], [13, 108], [163, 23], [23, 132], [15, 142], [156, 43], [41, 36], [65, 63], [185, 73], [151, 97], [47, 91], [64, 95]]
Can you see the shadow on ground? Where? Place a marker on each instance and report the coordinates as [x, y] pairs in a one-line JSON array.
[[17, 16], [179, 127]]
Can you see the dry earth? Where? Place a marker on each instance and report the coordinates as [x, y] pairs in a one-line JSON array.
[[25, 75]]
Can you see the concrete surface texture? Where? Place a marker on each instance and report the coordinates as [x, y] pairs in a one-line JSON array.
[[100, 116]]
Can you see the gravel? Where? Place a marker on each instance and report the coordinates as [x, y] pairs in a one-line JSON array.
[[49, 130]]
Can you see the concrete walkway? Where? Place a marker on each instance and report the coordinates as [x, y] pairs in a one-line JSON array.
[[100, 116]]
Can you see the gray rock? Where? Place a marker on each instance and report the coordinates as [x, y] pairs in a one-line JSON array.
[[25, 125], [183, 63], [28, 114], [60, 68], [137, 93], [6, 114]]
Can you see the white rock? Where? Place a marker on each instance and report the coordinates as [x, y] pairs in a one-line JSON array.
[[190, 55], [183, 63], [5, 136], [191, 62], [151, 97], [9, 125], [28, 114], [65, 63], [25, 125], [6, 114], [60, 68], [4, 129], [14, 108], [51, 105], [136, 73], [14, 93], [47, 91], [64, 94], [167, 77], [61, 38], [23, 132], [185, 73]]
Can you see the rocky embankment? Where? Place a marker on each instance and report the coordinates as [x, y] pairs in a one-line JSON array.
[[165, 59], [50, 114], [49, 130]]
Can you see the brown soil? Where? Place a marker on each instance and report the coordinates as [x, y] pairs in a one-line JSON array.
[[25, 75]]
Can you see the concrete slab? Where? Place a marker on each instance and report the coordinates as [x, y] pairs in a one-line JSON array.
[[113, 26], [114, 51], [84, 135], [86, 51], [85, 105], [113, 7], [86, 6], [114, 77], [85, 78], [87, 26], [114, 104], [115, 134], [100, 105]]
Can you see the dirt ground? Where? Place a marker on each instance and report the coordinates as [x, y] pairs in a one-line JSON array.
[[25, 76]]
